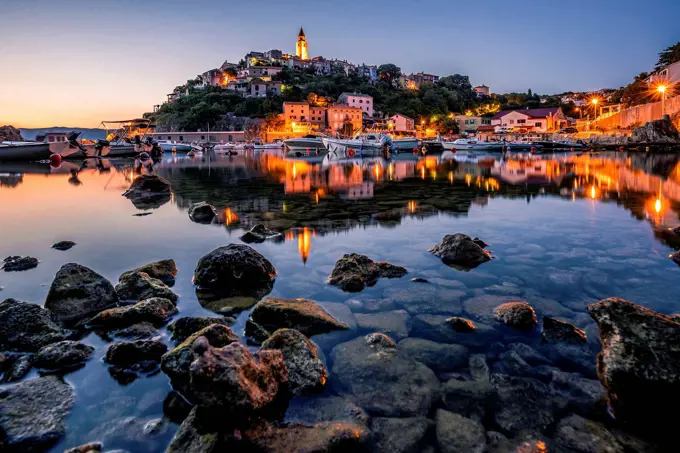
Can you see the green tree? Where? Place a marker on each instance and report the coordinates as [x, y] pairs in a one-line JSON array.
[[669, 56], [389, 72]]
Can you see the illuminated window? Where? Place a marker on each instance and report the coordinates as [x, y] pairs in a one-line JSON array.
[[538, 124], [521, 121]]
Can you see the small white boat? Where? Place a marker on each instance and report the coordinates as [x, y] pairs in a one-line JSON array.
[[309, 145], [171, 146], [28, 151], [473, 145], [355, 147], [399, 144]]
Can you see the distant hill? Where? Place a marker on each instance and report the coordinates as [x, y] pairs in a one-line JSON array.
[[89, 134]]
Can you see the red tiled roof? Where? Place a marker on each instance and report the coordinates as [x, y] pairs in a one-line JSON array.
[[531, 113]]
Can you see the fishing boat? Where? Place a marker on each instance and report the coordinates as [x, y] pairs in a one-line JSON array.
[[171, 146], [466, 144], [523, 146], [351, 148], [27, 151], [123, 138], [309, 145]]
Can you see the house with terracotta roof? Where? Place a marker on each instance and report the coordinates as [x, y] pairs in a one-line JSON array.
[[530, 120]]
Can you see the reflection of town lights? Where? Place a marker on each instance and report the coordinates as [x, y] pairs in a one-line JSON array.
[[422, 172], [376, 170], [657, 205], [433, 174], [294, 172], [390, 170], [468, 179], [304, 244], [229, 216], [451, 177], [592, 192], [412, 206]]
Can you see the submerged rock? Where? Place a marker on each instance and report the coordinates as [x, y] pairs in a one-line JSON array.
[[462, 325], [140, 286], [303, 315], [19, 263], [147, 186], [456, 433], [325, 409], [33, 413], [235, 270], [393, 323], [369, 370], [27, 327], [176, 363], [202, 212], [337, 437], [525, 404], [234, 380], [579, 435], [155, 310], [438, 356], [460, 250], [437, 328], [555, 331], [92, 447], [63, 245], [163, 270], [193, 437], [184, 327], [306, 372], [63, 355], [258, 234], [78, 293], [639, 364], [518, 315], [354, 272], [399, 435]]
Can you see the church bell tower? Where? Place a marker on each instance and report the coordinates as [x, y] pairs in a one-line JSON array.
[[301, 49]]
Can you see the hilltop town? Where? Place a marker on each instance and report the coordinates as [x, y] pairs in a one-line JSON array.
[[274, 94]]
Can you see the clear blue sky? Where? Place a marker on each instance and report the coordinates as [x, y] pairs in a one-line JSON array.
[[74, 62]]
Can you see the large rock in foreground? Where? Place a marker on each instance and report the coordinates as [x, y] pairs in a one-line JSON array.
[[460, 250], [63, 355], [456, 433], [639, 364], [78, 293], [27, 327], [10, 134], [306, 373], [518, 315], [354, 272], [235, 380], [369, 370], [32, 414], [235, 270], [303, 315]]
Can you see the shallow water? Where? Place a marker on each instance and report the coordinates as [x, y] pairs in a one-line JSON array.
[[564, 231]]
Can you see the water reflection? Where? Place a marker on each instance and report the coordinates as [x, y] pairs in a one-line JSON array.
[[314, 196]]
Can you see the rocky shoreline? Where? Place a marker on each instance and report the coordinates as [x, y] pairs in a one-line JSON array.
[[493, 373]]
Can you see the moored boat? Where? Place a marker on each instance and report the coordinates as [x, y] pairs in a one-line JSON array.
[[309, 145], [27, 151], [355, 147]]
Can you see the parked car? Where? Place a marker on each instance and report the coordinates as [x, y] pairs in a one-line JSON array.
[[567, 130]]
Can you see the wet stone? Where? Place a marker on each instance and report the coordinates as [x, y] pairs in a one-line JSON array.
[[19, 367], [436, 328], [399, 435], [370, 370], [460, 250], [63, 355], [140, 331], [456, 433], [128, 354], [518, 315], [92, 447], [556, 331], [27, 327], [185, 327], [19, 263], [155, 311], [437, 356], [163, 270], [202, 213], [33, 413], [260, 233], [325, 409], [138, 286], [461, 325], [63, 245], [354, 272], [392, 323]]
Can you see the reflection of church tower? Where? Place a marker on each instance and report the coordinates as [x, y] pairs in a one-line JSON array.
[[301, 49]]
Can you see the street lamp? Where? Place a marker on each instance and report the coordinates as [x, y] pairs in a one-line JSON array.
[[594, 101], [662, 89]]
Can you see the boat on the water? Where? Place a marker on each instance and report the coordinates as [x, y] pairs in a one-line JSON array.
[[171, 146], [309, 145], [127, 139], [565, 145], [466, 144], [351, 148], [398, 144], [27, 151]]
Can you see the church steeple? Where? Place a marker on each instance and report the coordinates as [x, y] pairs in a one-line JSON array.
[[301, 48]]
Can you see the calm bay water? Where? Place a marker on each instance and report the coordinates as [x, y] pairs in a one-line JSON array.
[[565, 231]]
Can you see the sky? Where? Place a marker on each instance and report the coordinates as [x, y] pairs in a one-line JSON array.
[[77, 62]]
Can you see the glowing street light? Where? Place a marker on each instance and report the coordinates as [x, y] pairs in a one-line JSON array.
[[662, 89]]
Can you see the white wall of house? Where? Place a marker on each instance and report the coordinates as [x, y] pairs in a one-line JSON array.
[[362, 101], [517, 119]]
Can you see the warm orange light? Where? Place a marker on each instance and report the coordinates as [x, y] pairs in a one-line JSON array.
[[661, 88], [304, 244], [657, 205], [594, 101], [377, 171], [229, 216], [468, 178], [412, 206], [592, 192]]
